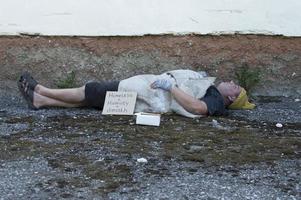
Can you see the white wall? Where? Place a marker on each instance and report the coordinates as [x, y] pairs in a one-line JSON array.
[[139, 17]]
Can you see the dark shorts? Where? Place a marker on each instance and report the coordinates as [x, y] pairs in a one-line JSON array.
[[95, 92]]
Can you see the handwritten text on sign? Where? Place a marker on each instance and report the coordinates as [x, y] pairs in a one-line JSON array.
[[119, 103]]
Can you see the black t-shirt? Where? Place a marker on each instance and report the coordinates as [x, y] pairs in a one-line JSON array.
[[214, 102]]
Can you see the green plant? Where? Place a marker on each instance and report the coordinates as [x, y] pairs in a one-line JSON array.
[[68, 82], [248, 78]]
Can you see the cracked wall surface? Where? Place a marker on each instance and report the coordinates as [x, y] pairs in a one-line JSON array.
[[137, 17]]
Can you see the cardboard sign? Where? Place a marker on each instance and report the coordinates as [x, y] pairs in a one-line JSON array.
[[119, 103]]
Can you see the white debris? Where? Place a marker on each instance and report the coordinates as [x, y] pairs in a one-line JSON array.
[[293, 74], [141, 160], [297, 100], [214, 122], [279, 125], [100, 159]]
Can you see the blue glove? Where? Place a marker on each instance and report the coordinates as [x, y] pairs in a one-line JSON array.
[[162, 84]]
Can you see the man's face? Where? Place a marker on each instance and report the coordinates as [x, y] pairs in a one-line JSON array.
[[229, 89]]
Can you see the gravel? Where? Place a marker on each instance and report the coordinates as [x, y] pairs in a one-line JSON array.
[[46, 158]]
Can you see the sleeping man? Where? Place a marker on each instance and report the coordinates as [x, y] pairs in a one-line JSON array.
[[184, 92]]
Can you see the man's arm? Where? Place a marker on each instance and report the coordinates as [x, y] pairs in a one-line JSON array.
[[188, 102]]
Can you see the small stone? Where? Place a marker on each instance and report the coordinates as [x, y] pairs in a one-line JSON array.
[[279, 125], [179, 129], [195, 149], [36, 190], [141, 160]]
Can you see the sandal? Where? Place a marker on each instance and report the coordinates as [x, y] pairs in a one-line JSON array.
[[32, 83], [27, 93]]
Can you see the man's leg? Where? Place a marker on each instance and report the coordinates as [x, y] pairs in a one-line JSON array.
[[72, 95], [40, 101]]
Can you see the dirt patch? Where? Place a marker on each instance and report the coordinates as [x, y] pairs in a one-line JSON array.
[[95, 58]]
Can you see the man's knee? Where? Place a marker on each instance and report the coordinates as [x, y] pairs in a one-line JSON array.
[[81, 91]]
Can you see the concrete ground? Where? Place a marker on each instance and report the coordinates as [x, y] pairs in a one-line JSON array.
[[80, 154]]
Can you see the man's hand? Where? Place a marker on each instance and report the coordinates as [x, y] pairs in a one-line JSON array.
[[162, 84]]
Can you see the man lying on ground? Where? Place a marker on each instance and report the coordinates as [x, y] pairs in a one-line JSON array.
[[183, 91]]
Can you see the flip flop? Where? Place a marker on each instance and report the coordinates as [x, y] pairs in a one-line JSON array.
[[27, 94], [32, 83]]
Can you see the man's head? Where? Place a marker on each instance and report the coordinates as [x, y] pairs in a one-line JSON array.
[[235, 97]]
